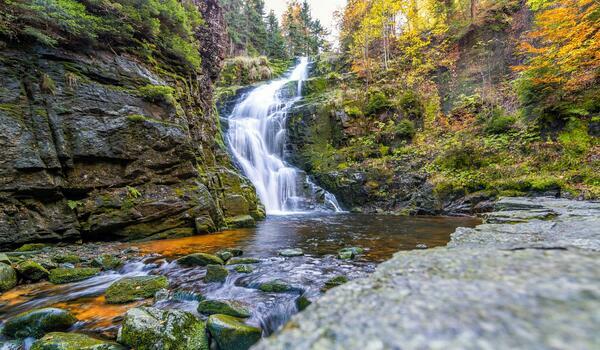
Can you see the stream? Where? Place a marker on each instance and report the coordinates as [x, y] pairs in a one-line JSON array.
[[320, 235]]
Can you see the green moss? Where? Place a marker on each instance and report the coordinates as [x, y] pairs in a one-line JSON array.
[[334, 282], [235, 261], [215, 273], [61, 276], [107, 262], [158, 93], [200, 259], [29, 247], [134, 288], [223, 307], [231, 333], [8, 277], [73, 341], [36, 323], [276, 286], [66, 258], [243, 268], [31, 271]]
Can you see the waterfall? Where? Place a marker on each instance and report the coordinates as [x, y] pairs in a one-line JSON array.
[[256, 137]]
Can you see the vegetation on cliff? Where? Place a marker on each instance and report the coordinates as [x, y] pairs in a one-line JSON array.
[[493, 97]]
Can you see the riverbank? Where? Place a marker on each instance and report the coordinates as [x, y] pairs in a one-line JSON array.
[[527, 278]]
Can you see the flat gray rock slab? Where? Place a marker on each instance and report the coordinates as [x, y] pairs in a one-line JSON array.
[[531, 285]]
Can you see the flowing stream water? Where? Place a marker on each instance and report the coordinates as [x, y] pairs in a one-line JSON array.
[[256, 137]]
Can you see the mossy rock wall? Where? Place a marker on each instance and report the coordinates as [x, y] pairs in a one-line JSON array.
[[99, 145]]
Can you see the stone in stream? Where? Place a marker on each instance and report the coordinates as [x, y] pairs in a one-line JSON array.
[[68, 275], [107, 262], [186, 295], [31, 271], [334, 282], [135, 288], [291, 252], [73, 341], [4, 259], [200, 259], [349, 253], [235, 261], [215, 273], [225, 307], [30, 247], [243, 268], [241, 221], [302, 302], [8, 277], [148, 328], [224, 255], [232, 333], [66, 258], [276, 286], [36, 323]]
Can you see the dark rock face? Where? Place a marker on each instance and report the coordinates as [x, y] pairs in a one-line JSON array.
[[86, 155], [530, 284]]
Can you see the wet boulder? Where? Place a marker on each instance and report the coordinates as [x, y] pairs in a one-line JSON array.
[[215, 273], [334, 282], [241, 221], [302, 302], [235, 261], [231, 333], [66, 258], [4, 259], [276, 286], [225, 307], [243, 268], [31, 247], [30, 270], [8, 277], [36, 323], [107, 262], [349, 253], [135, 288], [224, 255], [200, 259], [291, 252], [147, 328], [68, 275], [73, 341]]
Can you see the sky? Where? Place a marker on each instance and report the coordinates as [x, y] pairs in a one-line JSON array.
[[321, 9]]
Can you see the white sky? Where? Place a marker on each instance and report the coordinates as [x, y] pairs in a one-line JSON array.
[[321, 9]]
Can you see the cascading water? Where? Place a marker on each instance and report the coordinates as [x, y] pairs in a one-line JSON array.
[[256, 137]]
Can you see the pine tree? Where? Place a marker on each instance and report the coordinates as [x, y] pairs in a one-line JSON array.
[[275, 46]]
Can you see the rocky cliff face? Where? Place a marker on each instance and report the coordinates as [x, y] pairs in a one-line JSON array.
[[99, 145]]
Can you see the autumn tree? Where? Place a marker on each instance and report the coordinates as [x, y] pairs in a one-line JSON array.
[[561, 75]]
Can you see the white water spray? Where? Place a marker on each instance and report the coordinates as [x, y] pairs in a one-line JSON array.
[[256, 137]]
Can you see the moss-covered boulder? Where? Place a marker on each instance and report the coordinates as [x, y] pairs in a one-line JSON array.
[[30, 247], [66, 258], [241, 221], [147, 328], [36, 323], [73, 341], [30, 270], [200, 259], [334, 282], [224, 255], [235, 261], [225, 307], [4, 259], [231, 333], [276, 286], [291, 252], [349, 253], [243, 268], [107, 262], [215, 273], [135, 288], [62, 275], [8, 277], [302, 302]]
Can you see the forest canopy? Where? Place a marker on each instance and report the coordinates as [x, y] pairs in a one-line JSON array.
[[153, 29]]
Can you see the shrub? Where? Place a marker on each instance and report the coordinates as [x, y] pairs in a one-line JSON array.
[[405, 129], [410, 104], [499, 123], [158, 93], [378, 103]]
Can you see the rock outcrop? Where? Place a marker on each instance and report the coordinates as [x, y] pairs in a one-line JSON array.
[[529, 284], [100, 145]]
